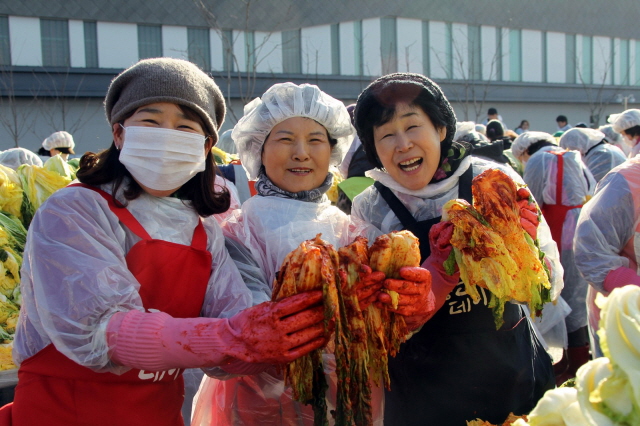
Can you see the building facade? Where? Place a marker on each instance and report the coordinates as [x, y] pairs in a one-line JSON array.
[[530, 60]]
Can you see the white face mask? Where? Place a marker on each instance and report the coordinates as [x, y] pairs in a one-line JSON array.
[[629, 141], [162, 159]]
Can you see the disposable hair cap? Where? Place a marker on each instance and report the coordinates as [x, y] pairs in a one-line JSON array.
[[626, 120], [525, 140], [280, 102], [581, 139]]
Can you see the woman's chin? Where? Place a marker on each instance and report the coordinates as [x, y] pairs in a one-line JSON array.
[[411, 180]]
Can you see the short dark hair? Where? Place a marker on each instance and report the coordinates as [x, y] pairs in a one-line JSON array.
[[376, 106], [495, 130], [105, 167], [633, 131], [537, 146], [562, 118], [492, 111]]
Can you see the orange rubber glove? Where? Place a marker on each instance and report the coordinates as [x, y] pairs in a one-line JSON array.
[[528, 213], [416, 302]]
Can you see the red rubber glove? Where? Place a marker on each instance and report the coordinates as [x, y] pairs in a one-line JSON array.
[[440, 243], [279, 332], [528, 212], [369, 287], [416, 302]]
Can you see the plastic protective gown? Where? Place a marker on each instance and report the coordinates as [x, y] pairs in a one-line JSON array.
[[598, 155], [460, 367], [271, 227], [75, 277], [608, 232], [540, 174]]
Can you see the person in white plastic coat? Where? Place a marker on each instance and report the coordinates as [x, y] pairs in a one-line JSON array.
[[126, 280], [561, 183], [607, 240], [616, 139], [627, 124], [287, 140], [599, 155], [458, 367]]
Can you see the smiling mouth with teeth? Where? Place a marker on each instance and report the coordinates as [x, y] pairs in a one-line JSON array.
[[300, 170], [410, 165]]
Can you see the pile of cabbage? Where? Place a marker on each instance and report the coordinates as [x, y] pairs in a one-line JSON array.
[[22, 191], [607, 391]]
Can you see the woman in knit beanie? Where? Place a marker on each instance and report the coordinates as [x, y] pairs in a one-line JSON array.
[[458, 367], [126, 280]]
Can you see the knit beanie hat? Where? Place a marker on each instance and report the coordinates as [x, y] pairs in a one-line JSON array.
[[389, 89], [166, 80]]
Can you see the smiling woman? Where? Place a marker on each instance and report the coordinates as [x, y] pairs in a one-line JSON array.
[[296, 154], [458, 366]]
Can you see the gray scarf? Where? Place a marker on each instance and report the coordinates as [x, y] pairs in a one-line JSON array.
[[266, 188]]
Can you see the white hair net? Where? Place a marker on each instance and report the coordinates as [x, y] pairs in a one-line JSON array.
[[59, 140], [464, 128], [580, 139], [525, 140], [625, 120], [611, 135], [283, 101], [15, 157]]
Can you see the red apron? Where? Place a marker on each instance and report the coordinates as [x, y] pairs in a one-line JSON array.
[[54, 390], [556, 213]]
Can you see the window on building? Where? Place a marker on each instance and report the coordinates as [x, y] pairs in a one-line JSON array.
[[475, 52], [586, 71], [250, 50], [199, 47], [91, 45], [5, 46], [55, 42], [571, 57], [426, 49], [358, 48], [335, 49], [624, 63], [637, 79], [291, 52], [448, 52], [515, 55], [388, 45], [227, 47], [149, 41], [499, 54]]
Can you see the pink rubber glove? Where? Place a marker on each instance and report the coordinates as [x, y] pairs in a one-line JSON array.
[[416, 302], [528, 213], [272, 332], [620, 277], [440, 243], [369, 287]]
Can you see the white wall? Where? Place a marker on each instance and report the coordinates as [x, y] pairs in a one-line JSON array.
[[217, 50], [602, 65], [460, 51], [175, 43], [347, 48], [531, 55], [372, 57], [438, 40], [76, 43], [315, 45], [24, 36], [634, 60], [489, 57], [117, 44], [409, 46], [268, 52], [556, 57]]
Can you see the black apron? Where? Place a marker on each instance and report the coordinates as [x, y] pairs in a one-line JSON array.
[[458, 367]]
